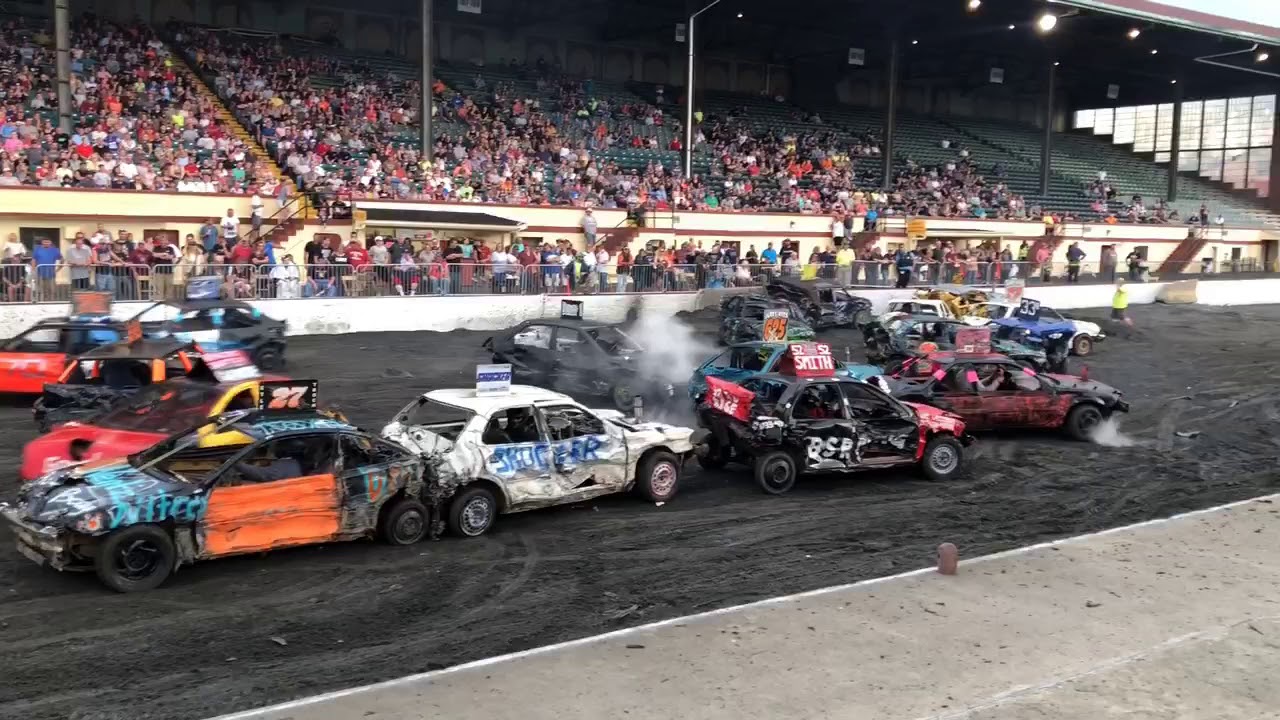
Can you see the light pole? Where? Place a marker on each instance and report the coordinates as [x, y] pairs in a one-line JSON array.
[[688, 95]]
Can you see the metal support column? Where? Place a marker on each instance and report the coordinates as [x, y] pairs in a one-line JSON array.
[[62, 40], [1046, 145], [688, 90], [428, 143], [890, 115], [1175, 145]]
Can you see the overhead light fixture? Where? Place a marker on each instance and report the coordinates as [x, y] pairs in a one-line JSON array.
[[1056, 63], [1134, 33], [1155, 51], [974, 5], [1264, 56], [1013, 27], [1173, 82], [915, 42], [739, 16], [1047, 22]]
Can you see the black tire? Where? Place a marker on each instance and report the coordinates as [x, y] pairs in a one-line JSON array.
[[269, 357], [943, 458], [658, 477], [712, 455], [775, 472], [472, 512], [405, 521], [862, 318], [135, 559], [1082, 420], [1082, 345]]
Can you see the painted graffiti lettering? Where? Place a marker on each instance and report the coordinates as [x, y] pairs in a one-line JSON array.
[[833, 448], [157, 508], [724, 401], [510, 459]]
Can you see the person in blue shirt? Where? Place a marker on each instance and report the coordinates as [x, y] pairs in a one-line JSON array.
[[46, 257], [904, 261], [872, 216], [769, 256]]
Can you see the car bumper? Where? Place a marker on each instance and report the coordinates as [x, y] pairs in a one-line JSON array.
[[1120, 406], [1099, 337], [39, 544]]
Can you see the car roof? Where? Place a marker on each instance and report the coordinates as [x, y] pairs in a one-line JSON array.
[[138, 350], [564, 323], [520, 395], [946, 357], [759, 344], [188, 305]]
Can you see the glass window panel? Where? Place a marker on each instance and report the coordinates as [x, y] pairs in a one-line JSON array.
[[1162, 157], [1084, 119], [1260, 170], [1189, 134], [1188, 161], [1125, 119], [1264, 118], [1144, 128], [1214, 124], [1103, 121], [1211, 164], [1234, 166], [1238, 111], [1164, 127]]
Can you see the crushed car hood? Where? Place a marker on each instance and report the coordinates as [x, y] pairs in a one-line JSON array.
[[937, 420], [102, 496], [1071, 383]]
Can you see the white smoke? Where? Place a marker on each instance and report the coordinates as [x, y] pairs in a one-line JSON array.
[[1108, 434], [672, 351]]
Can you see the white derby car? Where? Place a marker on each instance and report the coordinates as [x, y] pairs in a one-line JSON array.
[[531, 448]]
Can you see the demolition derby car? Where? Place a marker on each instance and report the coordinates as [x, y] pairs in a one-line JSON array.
[[296, 477], [149, 415], [94, 381], [39, 354], [814, 422], [903, 337], [1041, 323], [746, 360], [509, 448], [825, 304], [992, 391], [751, 317], [218, 325]]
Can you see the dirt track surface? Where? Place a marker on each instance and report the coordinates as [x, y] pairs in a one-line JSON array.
[[362, 612]]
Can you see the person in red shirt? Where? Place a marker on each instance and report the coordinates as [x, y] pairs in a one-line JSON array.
[[242, 253], [357, 256]]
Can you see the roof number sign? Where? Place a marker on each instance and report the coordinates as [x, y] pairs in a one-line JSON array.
[[728, 398], [91, 303], [230, 366], [288, 394], [493, 380], [775, 325], [204, 288], [812, 360], [1029, 309], [571, 309]]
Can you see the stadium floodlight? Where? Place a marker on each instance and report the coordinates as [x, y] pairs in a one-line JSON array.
[[1047, 22], [1013, 27], [739, 16], [1134, 33], [915, 42], [1173, 82], [1155, 51], [1264, 56], [974, 5]]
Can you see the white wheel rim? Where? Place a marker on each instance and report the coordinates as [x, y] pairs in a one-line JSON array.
[[476, 515], [944, 459], [663, 479]]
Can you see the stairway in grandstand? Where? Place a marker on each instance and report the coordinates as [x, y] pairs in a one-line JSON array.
[[229, 120]]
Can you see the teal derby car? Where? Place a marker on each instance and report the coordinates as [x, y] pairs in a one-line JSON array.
[[746, 360]]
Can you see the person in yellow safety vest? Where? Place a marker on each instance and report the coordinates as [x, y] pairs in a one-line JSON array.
[[1120, 303]]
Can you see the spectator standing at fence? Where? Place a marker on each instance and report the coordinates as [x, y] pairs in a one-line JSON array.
[[1023, 252], [13, 270], [1074, 256], [163, 257], [589, 227], [46, 257], [101, 235], [769, 256], [13, 248], [602, 268], [286, 277], [209, 235], [105, 265], [623, 263], [904, 261], [240, 253], [79, 257], [1042, 262]]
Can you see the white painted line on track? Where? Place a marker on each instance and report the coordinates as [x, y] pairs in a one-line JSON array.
[[624, 632]]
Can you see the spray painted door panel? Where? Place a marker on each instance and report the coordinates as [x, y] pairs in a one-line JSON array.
[[270, 515]]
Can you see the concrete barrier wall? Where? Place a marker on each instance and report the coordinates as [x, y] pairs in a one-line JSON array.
[[336, 316]]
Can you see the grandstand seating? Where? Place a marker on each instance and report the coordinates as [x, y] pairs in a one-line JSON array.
[[346, 122]]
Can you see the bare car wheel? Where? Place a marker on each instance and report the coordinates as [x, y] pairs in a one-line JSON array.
[[472, 512], [658, 476]]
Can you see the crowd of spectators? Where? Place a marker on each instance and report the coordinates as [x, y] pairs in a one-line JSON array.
[[139, 122]]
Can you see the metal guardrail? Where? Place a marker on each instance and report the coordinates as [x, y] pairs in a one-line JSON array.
[[55, 283]]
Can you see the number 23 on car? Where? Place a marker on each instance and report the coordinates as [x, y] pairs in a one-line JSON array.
[[298, 477]]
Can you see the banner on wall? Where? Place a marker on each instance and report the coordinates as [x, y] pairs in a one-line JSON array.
[[1113, 92], [857, 56], [680, 31], [996, 76], [469, 6]]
